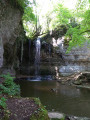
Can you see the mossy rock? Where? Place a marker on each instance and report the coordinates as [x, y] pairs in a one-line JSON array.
[[41, 114], [57, 119], [78, 82], [6, 115]]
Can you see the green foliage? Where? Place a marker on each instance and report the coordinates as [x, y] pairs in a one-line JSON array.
[[62, 16], [27, 8], [86, 21], [73, 22], [8, 80], [3, 103], [81, 33], [51, 20], [29, 15], [30, 29], [30, 20], [76, 38], [58, 119], [41, 113], [82, 4], [9, 87], [11, 91], [21, 4], [78, 32]]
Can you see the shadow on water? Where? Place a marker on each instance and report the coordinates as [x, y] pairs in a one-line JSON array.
[[56, 97]]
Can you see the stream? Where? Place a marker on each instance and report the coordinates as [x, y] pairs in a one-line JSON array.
[[56, 97]]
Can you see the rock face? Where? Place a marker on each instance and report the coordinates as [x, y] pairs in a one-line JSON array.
[[78, 60], [10, 27], [1, 53]]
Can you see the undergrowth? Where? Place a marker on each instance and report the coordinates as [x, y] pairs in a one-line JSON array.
[[3, 103], [7, 89], [41, 113]]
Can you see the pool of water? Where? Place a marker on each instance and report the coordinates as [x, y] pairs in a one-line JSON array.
[[59, 98]]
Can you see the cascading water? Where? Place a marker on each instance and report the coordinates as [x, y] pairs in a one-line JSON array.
[[29, 49], [21, 51], [49, 50], [37, 56]]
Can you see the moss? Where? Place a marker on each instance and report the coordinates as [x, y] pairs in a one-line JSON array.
[[58, 119], [18, 4], [6, 114], [41, 113]]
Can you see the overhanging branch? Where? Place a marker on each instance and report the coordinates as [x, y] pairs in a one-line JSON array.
[[84, 31]]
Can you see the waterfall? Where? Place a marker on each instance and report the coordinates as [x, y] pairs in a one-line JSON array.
[[29, 49], [37, 55], [49, 50], [21, 51]]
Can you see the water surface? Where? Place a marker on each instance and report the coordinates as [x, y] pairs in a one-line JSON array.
[[56, 97]]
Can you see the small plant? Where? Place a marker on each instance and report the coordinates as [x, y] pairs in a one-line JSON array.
[[3, 103], [8, 80], [41, 113], [37, 101], [9, 87]]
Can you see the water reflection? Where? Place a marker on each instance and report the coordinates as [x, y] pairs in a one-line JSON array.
[[69, 91], [56, 97]]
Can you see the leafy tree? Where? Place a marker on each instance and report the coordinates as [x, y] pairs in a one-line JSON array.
[[81, 33], [78, 32], [29, 15], [61, 16], [30, 20], [21, 4]]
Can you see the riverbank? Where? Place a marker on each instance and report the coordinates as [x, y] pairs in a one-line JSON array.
[[27, 108], [14, 107], [23, 109]]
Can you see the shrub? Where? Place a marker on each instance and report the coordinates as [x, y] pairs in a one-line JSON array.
[[9, 87], [3, 103]]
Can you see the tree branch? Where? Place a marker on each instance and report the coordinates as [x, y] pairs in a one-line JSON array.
[[85, 31]]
